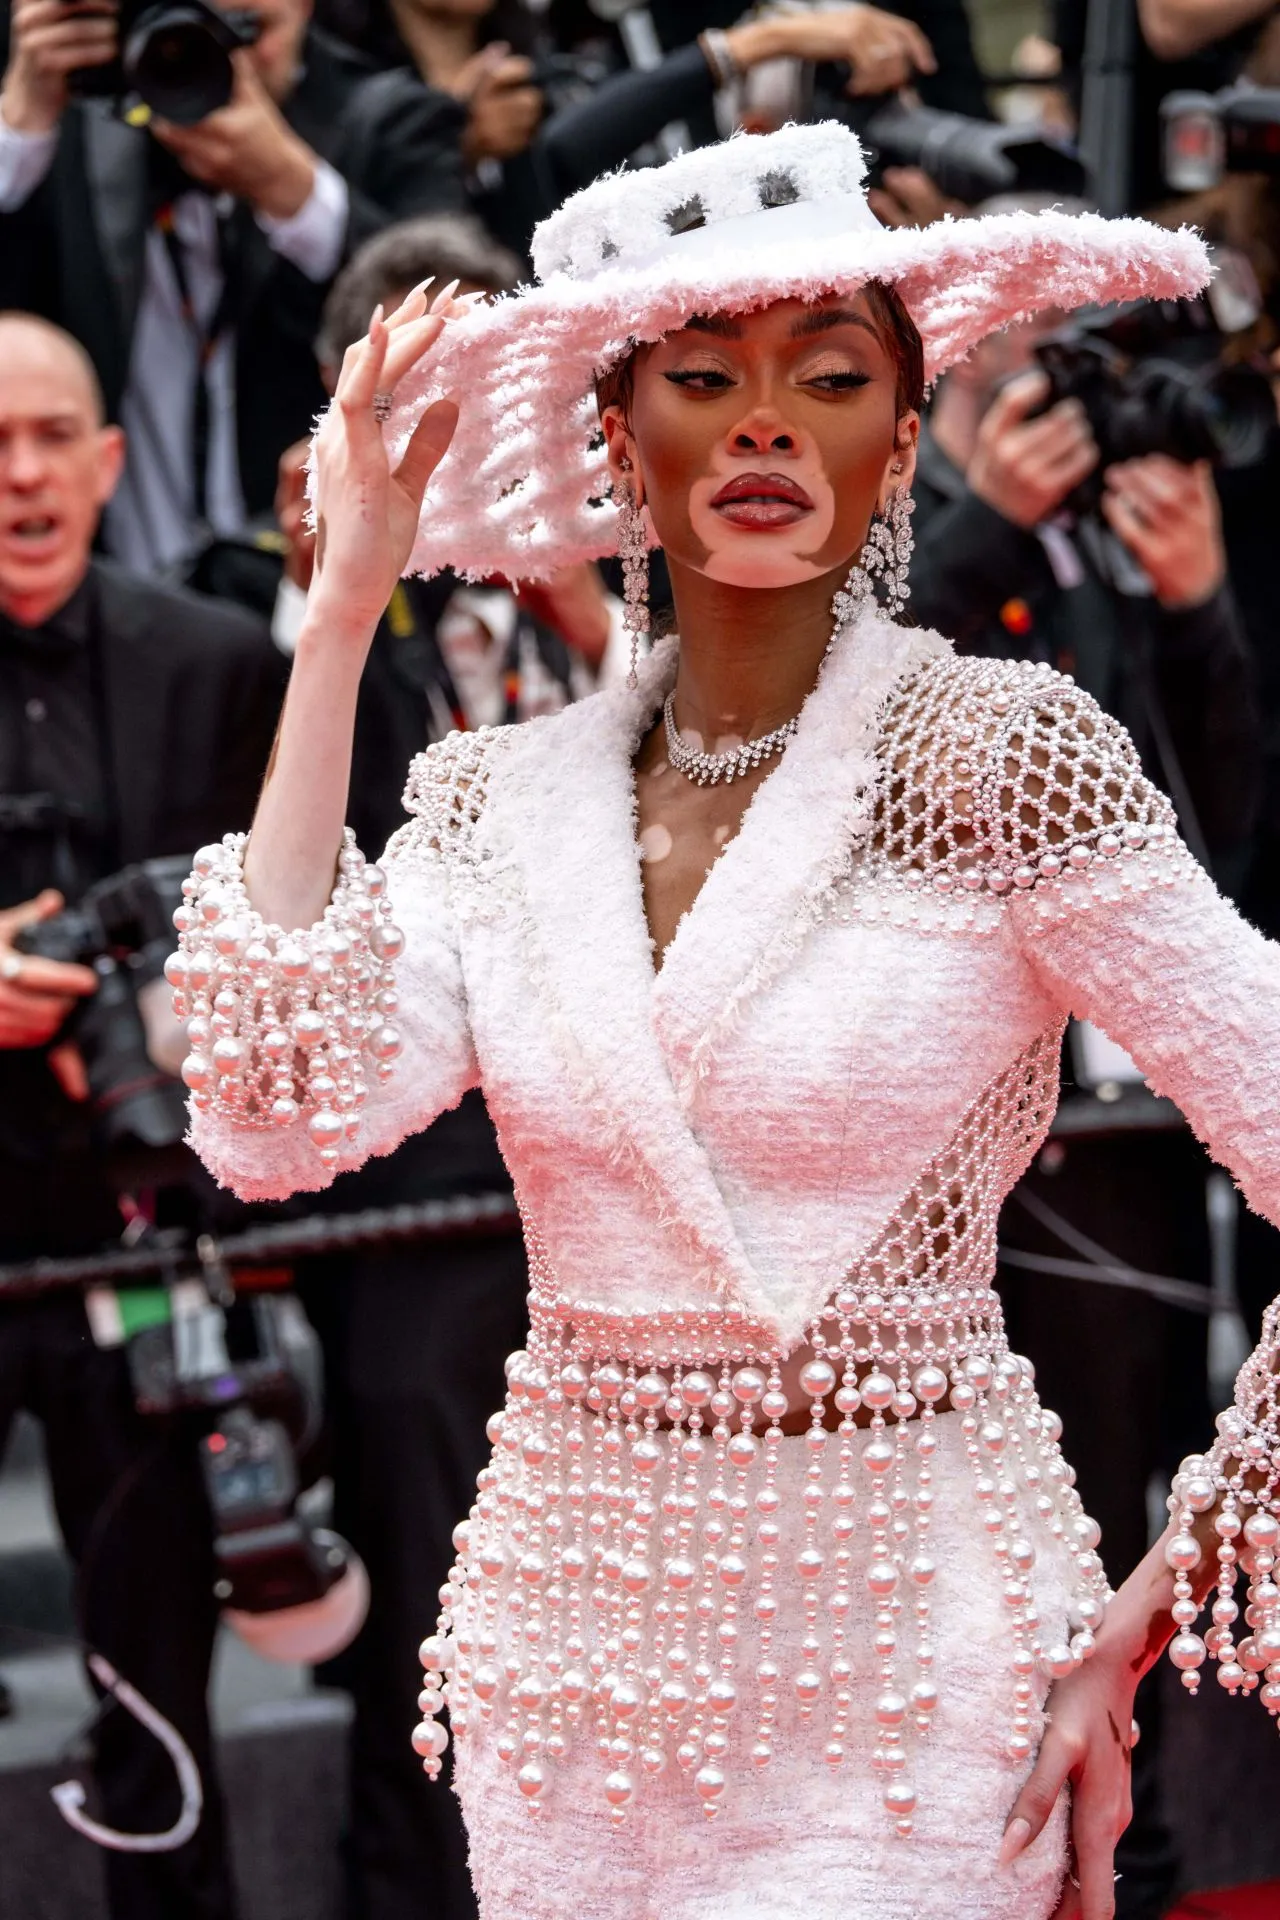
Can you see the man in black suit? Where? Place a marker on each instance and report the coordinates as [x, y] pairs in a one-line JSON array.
[[193, 262], [134, 722]]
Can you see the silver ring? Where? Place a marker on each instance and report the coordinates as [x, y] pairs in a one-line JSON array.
[[11, 965], [382, 405]]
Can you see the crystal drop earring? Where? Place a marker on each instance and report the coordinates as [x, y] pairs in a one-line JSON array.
[[885, 559], [633, 551], [899, 546]]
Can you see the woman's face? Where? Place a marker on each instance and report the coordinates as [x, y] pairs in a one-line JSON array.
[[761, 443]]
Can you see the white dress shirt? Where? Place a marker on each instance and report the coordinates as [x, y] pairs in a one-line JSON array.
[[151, 522]]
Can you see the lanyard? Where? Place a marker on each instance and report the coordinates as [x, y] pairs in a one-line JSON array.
[[206, 340]]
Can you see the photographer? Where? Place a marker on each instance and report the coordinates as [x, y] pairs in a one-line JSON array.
[[134, 722], [1002, 570], [192, 260]]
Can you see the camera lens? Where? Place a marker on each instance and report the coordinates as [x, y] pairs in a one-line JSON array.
[[178, 59]]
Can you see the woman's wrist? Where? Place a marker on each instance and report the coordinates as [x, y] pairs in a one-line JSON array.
[[332, 631]]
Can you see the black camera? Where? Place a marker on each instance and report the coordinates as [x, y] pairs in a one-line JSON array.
[[123, 929], [1152, 379], [1206, 135], [291, 1586], [971, 160], [173, 59]]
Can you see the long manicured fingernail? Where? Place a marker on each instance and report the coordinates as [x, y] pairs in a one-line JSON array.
[[375, 318], [1016, 1836], [445, 294]]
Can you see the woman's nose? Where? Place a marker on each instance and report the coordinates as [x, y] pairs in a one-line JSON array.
[[764, 432]]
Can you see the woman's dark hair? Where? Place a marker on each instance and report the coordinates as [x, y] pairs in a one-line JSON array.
[[900, 336]]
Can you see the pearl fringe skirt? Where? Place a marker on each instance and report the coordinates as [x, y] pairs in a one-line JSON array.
[[801, 1840]]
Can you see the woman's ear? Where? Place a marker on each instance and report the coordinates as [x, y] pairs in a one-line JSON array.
[[900, 469], [624, 461]]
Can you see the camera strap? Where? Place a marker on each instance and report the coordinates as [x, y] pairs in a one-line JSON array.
[[206, 336]]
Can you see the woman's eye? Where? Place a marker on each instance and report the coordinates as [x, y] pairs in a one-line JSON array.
[[700, 379], [841, 382]]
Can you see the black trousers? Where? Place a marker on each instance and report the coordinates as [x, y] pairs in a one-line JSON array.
[[135, 1521], [415, 1340], [1127, 1375]]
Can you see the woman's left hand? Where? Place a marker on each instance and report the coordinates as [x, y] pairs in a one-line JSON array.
[[1087, 1743]]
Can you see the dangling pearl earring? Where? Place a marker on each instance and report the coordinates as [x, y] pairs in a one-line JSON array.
[[886, 557], [633, 551]]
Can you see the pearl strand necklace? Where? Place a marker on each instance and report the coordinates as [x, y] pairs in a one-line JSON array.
[[709, 769]]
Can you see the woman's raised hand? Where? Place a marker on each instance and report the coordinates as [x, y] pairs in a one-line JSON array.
[[366, 509]]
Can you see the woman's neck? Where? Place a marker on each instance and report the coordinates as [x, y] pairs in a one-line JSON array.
[[749, 656], [439, 48]]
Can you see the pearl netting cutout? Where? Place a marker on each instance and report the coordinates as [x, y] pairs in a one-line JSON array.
[[635, 1486]]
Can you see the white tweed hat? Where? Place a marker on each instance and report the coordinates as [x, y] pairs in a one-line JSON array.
[[524, 489]]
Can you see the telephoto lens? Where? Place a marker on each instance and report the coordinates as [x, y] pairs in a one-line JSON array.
[[174, 61]]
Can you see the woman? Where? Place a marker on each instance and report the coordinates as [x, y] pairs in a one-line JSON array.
[[763, 964]]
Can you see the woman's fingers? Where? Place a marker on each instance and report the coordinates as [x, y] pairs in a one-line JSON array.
[[428, 444], [412, 307], [1038, 1798], [1096, 1823], [362, 370], [407, 346]]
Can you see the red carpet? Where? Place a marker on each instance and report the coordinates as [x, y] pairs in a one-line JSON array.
[[1232, 1903]]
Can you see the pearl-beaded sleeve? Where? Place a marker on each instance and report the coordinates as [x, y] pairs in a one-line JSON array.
[[1158, 959], [312, 1050]]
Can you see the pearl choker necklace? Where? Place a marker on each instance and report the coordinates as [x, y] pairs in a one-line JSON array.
[[709, 769]]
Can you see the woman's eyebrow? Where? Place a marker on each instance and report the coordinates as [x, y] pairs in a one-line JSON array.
[[723, 325], [823, 319]]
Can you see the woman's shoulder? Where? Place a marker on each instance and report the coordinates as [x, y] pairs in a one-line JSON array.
[[961, 717], [997, 772]]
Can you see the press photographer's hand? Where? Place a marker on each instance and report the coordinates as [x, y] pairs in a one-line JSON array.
[[504, 107], [246, 148], [1025, 468], [883, 51], [366, 509], [36, 995], [49, 39], [1168, 516]]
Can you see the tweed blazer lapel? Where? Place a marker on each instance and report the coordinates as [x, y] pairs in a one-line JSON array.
[[561, 819], [798, 836]]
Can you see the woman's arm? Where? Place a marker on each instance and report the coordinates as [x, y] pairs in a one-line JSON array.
[[1118, 921], [1090, 1731], [298, 986], [366, 522]]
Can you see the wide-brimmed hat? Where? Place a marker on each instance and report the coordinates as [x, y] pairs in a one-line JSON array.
[[724, 229]]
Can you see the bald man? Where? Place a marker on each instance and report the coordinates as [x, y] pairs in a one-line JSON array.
[[134, 722]]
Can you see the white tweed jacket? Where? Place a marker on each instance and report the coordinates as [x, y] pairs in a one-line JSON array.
[[849, 1053]]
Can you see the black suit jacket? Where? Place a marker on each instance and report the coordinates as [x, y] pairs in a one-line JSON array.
[[191, 691], [75, 251]]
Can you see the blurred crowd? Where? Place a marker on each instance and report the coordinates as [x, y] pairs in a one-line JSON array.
[[200, 207]]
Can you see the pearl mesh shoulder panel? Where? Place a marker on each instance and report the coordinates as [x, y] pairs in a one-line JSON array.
[[997, 777], [445, 795]]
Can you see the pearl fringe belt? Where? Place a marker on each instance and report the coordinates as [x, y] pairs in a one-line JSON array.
[[634, 1495]]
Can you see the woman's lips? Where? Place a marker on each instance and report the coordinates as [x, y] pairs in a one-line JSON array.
[[762, 500]]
